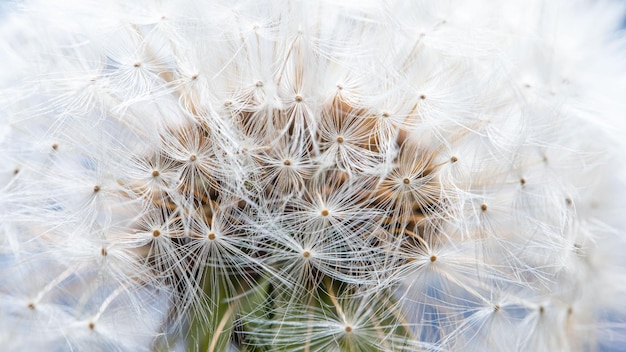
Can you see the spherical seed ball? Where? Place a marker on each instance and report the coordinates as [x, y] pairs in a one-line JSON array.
[[227, 175]]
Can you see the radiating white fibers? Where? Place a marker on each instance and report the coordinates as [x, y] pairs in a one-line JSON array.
[[300, 175]]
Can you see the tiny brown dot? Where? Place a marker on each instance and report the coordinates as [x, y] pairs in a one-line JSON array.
[[522, 181], [570, 311], [137, 64], [339, 86], [156, 233], [348, 329], [325, 212], [31, 305], [454, 159], [569, 201], [483, 207], [287, 162], [194, 77], [298, 98], [55, 146], [542, 310], [496, 308], [155, 173], [340, 139], [259, 84], [306, 254], [422, 97], [385, 114], [193, 157], [433, 258], [104, 252], [96, 189], [16, 171], [406, 181], [91, 325], [211, 236]]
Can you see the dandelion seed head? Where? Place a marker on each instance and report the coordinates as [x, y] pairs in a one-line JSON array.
[[312, 176]]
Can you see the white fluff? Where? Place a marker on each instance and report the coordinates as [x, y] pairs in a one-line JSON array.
[[457, 164]]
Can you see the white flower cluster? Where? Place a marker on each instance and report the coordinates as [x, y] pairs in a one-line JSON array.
[[301, 175]]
